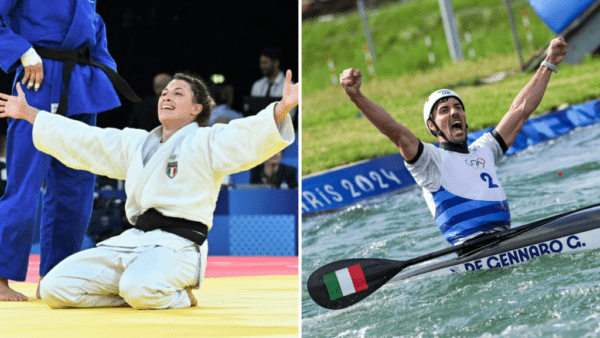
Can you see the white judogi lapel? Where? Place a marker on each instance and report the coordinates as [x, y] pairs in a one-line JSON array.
[[143, 172]]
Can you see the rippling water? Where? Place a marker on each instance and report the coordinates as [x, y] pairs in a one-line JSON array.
[[552, 296]]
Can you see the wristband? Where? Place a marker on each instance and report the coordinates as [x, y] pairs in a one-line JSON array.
[[550, 66], [30, 58]]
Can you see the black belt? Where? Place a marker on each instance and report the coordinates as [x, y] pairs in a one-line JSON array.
[[152, 220], [82, 56]]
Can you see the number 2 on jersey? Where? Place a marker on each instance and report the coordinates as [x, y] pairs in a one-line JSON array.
[[487, 178]]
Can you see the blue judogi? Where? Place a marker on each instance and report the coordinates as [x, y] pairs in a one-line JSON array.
[[58, 24]]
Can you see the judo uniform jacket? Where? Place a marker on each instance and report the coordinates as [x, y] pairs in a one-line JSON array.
[[181, 179]]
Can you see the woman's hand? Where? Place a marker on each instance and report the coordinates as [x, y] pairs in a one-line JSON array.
[[17, 107], [289, 98]]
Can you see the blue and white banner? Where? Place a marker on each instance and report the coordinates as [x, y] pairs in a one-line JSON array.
[[346, 185], [343, 186]]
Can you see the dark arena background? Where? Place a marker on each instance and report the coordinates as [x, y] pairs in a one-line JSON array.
[[207, 37]]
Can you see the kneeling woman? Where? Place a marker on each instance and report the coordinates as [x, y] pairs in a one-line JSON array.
[[172, 179]]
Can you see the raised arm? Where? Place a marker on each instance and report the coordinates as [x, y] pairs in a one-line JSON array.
[[244, 143], [77, 145], [531, 95], [402, 137], [289, 99]]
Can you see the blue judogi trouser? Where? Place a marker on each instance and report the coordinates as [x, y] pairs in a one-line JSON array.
[[67, 203]]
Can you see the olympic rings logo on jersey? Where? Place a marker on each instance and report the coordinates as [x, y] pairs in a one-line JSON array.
[[476, 163]]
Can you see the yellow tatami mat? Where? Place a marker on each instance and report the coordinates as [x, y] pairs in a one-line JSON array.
[[258, 306]]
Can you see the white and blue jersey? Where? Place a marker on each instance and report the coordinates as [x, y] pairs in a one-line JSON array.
[[463, 191]]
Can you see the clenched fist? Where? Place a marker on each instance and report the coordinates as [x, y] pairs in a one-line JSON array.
[[351, 79], [557, 51]]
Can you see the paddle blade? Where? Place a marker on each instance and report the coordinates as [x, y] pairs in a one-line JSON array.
[[344, 283]]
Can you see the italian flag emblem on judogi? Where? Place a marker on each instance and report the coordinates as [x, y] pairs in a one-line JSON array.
[[172, 169], [345, 282]]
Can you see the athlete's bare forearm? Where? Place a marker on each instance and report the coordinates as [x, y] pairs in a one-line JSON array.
[[531, 95], [402, 137], [380, 118]]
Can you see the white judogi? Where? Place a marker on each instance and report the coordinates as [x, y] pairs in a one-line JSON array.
[[180, 178]]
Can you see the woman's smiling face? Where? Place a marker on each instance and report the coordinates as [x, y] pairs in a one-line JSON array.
[[176, 103]]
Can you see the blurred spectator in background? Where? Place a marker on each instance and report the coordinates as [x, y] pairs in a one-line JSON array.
[[108, 218], [274, 173], [2, 164], [271, 84], [222, 112], [107, 183], [145, 113]]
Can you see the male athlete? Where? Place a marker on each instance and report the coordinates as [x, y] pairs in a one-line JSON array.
[[460, 183]]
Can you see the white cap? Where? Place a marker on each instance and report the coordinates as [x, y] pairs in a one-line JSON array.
[[433, 98]]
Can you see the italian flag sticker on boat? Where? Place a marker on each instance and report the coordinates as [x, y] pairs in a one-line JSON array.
[[345, 282]]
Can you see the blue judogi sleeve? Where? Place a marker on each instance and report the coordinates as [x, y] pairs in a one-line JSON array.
[[59, 24], [100, 50], [13, 45]]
